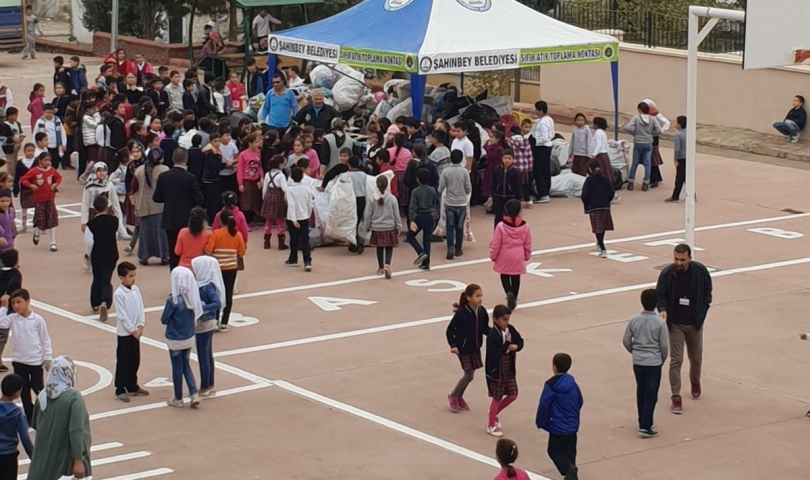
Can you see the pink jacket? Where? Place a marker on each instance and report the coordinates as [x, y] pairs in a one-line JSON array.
[[511, 247], [400, 161], [519, 475], [35, 107], [241, 223]]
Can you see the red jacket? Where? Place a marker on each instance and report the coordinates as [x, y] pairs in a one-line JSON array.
[[44, 180]]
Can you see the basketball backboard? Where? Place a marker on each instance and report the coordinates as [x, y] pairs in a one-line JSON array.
[[777, 33]]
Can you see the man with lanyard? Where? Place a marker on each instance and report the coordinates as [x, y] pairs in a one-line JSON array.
[[317, 114], [279, 106], [684, 297]]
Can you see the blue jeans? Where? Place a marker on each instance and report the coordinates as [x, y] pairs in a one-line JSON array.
[[642, 153], [455, 217], [205, 357], [181, 368], [787, 128], [425, 224]]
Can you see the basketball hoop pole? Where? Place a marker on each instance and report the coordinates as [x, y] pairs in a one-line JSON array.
[[696, 37]]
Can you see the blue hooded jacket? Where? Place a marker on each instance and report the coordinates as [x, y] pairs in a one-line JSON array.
[[560, 404], [13, 429]]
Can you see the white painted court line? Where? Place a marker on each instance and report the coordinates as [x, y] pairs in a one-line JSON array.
[[478, 261], [445, 318], [398, 427], [94, 448], [106, 461], [147, 474], [156, 405]]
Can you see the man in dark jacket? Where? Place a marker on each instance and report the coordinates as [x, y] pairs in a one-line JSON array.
[[558, 414], [795, 121], [684, 297], [179, 191], [317, 114]]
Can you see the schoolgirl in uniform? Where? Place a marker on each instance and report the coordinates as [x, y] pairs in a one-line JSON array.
[[26, 194], [274, 208], [382, 219], [465, 336], [503, 343], [44, 180]]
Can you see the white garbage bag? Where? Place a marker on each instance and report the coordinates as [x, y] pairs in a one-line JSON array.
[[402, 109], [322, 77], [567, 184], [348, 89], [317, 232], [619, 153], [341, 224]]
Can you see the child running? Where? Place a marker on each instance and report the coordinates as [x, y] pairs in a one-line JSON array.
[[503, 342], [558, 414], [465, 336], [597, 193], [382, 219], [13, 427], [422, 213], [131, 322], [507, 453], [183, 308], [44, 180], [510, 249], [212, 291]]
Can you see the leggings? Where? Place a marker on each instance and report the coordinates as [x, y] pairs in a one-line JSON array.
[[600, 240], [497, 406], [229, 279], [511, 283], [278, 222], [462, 384], [384, 255]]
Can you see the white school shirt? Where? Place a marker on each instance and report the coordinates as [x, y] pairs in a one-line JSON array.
[[129, 310], [300, 202], [599, 142], [544, 131], [277, 178], [466, 146], [32, 343], [229, 152]]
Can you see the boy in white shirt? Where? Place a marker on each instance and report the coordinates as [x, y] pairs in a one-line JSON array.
[[52, 126], [543, 135], [131, 320], [300, 204], [461, 142], [32, 347]]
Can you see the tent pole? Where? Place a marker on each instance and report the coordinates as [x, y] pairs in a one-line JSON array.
[[247, 46], [614, 75], [461, 83]]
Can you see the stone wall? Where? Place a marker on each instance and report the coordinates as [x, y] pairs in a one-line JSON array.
[[156, 53]]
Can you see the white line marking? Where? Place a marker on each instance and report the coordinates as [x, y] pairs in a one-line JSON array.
[[106, 461], [94, 448], [146, 474], [153, 406], [539, 303], [567, 248], [398, 427]]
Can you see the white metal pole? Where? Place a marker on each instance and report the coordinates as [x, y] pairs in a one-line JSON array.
[[691, 125], [114, 27]]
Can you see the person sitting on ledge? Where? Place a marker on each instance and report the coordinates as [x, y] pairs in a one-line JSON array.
[[794, 121]]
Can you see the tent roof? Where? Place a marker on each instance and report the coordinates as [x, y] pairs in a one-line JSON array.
[[443, 36], [273, 3]]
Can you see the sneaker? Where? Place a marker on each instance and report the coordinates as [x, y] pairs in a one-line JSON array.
[[630, 185], [103, 314], [195, 400], [463, 405], [224, 328], [175, 403], [672, 200], [572, 473], [122, 397], [648, 433], [208, 393], [450, 255], [387, 272], [495, 431], [459, 252], [128, 250], [511, 301], [307, 267], [807, 414], [696, 391], [3, 368], [537, 201], [677, 406], [498, 422], [424, 267], [140, 392], [53, 247], [453, 403], [602, 253], [420, 258], [794, 139], [645, 187], [654, 185], [290, 264], [380, 272]]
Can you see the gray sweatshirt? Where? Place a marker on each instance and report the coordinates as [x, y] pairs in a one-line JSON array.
[[647, 338], [680, 145], [382, 218], [455, 180], [643, 128]]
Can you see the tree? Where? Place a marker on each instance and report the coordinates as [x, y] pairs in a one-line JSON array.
[[137, 18]]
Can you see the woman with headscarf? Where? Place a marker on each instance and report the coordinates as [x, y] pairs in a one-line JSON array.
[[183, 308], [212, 292], [153, 240], [656, 161], [62, 444]]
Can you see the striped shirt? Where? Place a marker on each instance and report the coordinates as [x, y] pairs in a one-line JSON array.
[[225, 248]]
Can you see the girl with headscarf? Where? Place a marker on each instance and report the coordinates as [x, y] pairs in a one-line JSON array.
[[180, 314], [212, 291], [153, 240], [62, 444], [656, 161], [98, 183]]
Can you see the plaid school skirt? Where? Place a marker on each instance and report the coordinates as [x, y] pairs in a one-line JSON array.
[[105, 155], [128, 210], [384, 239], [92, 153], [601, 221], [507, 385], [655, 159], [526, 178], [251, 199], [402, 190], [273, 205], [46, 216], [471, 361], [580, 165], [27, 198]]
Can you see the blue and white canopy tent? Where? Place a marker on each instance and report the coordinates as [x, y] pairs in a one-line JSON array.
[[424, 37]]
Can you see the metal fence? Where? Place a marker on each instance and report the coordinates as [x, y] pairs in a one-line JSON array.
[[650, 29]]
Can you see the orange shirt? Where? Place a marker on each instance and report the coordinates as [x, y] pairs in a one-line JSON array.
[[189, 247], [225, 248]]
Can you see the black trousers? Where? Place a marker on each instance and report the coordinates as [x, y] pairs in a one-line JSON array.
[[82, 160], [229, 279], [101, 290], [562, 449], [299, 240], [33, 379], [497, 208], [128, 361], [361, 208], [511, 283], [212, 196], [648, 380], [227, 183], [8, 465], [174, 260], [541, 167], [56, 159], [680, 178]]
